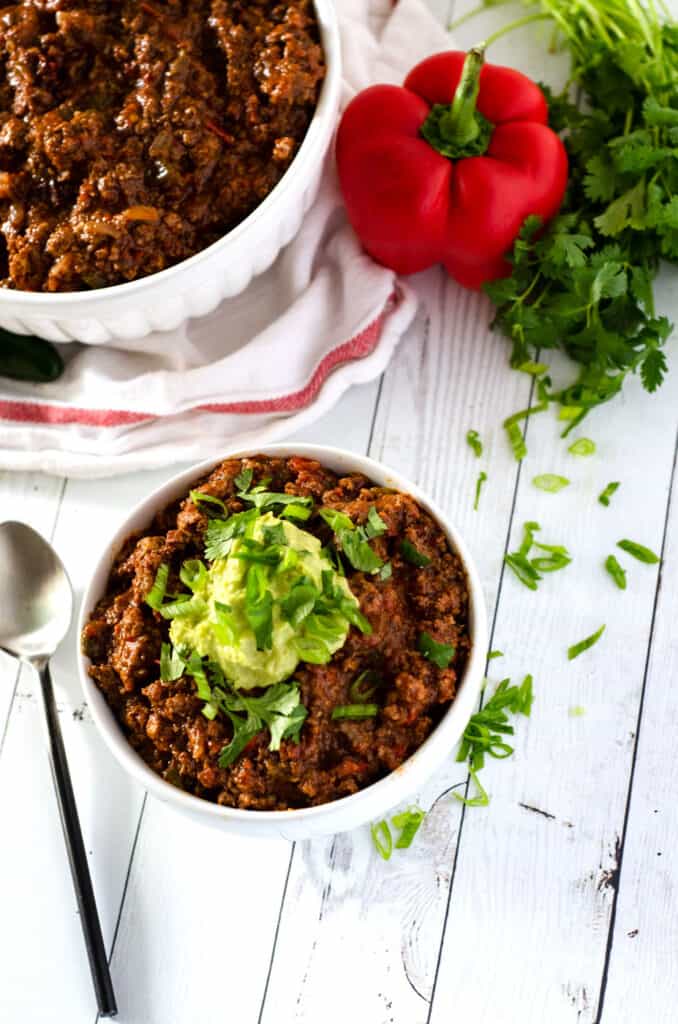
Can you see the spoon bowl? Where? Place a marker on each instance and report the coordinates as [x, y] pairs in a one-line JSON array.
[[38, 605], [35, 613]]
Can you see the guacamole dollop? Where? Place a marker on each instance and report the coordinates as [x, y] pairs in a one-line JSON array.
[[274, 600]]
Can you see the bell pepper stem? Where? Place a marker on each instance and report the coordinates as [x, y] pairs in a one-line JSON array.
[[460, 125]]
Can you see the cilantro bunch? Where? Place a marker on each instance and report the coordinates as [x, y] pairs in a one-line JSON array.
[[584, 284]]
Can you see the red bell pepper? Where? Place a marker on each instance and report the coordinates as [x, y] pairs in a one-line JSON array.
[[447, 168]]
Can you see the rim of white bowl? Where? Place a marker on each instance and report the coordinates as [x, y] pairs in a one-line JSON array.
[[385, 792], [315, 138]]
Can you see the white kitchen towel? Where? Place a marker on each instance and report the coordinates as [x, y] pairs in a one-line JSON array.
[[265, 362]]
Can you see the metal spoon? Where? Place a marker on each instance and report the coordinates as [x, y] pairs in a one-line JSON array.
[[35, 613]]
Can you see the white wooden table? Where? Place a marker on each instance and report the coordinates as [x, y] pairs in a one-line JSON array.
[[555, 905]]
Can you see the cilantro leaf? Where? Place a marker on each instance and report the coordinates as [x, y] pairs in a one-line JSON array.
[[439, 653]]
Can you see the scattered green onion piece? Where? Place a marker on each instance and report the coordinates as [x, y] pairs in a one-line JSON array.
[[408, 822], [337, 521], [517, 442], [638, 551], [604, 498], [474, 442], [584, 446], [569, 412], [440, 654], [495, 654], [156, 594], [299, 512], [550, 482], [412, 555], [358, 552], [523, 570], [481, 799], [576, 711], [615, 570], [534, 369], [482, 477], [382, 839], [576, 649], [365, 686], [355, 711], [386, 571]]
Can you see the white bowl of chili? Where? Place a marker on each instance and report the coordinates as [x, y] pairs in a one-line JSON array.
[[375, 798], [195, 286]]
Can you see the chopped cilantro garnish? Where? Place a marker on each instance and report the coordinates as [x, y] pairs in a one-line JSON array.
[[412, 555], [440, 654], [375, 524], [584, 446], [193, 574], [638, 551], [386, 571], [604, 497], [576, 649], [222, 532], [482, 477], [474, 442], [615, 570], [336, 520], [550, 482], [171, 664], [209, 502], [359, 553], [243, 481], [259, 607], [267, 499], [295, 511]]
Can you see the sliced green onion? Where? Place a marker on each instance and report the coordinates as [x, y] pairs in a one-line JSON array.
[[365, 686], [495, 654], [408, 822], [638, 551], [355, 711], [517, 442], [584, 446], [482, 477], [576, 649], [569, 412], [576, 711], [550, 482], [604, 497], [481, 799], [193, 574], [534, 369], [615, 570], [412, 555], [156, 594], [440, 654], [523, 570], [474, 442], [382, 839], [183, 607], [299, 512]]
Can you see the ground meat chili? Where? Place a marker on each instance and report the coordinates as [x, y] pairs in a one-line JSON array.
[[135, 134], [333, 757]]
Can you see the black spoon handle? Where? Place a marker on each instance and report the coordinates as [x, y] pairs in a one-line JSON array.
[[89, 918]]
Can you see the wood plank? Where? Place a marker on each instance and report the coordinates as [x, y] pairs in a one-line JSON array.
[[537, 871], [383, 922], [645, 932]]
